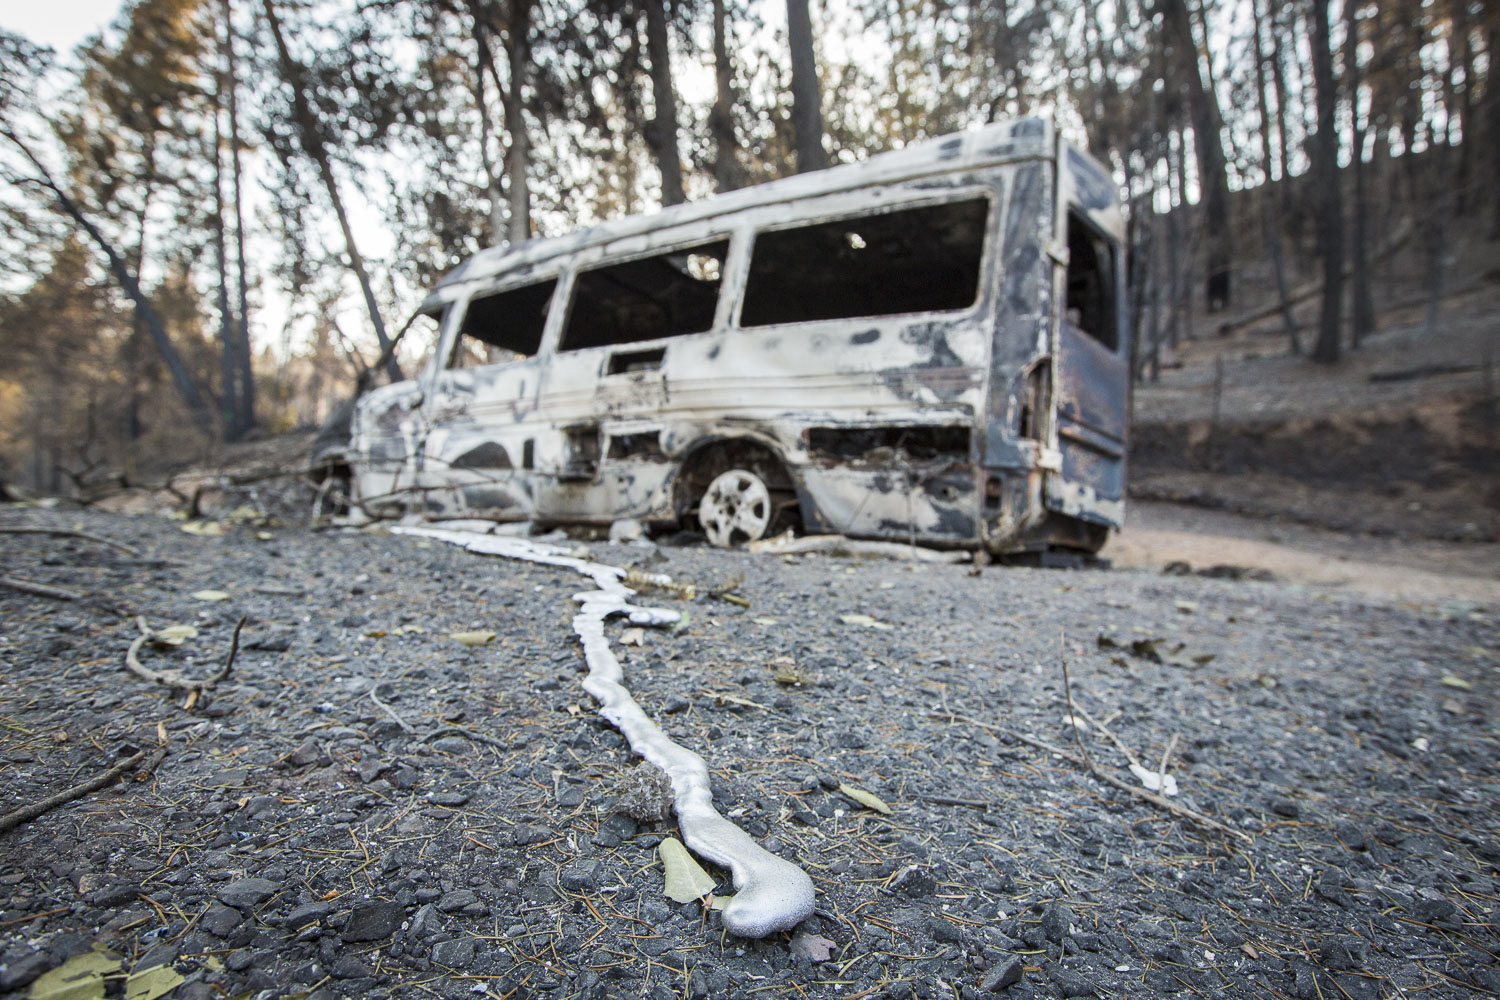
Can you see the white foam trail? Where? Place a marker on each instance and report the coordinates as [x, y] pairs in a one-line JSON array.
[[770, 894]]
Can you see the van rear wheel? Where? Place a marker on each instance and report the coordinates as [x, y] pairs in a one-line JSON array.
[[736, 508]]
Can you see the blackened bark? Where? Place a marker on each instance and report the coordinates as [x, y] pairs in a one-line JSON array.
[[1268, 209], [485, 64], [312, 144], [246, 402], [229, 409], [182, 379], [661, 133], [1362, 306], [807, 100], [1492, 99], [721, 121], [1208, 128], [518, 157], [1330, 207]]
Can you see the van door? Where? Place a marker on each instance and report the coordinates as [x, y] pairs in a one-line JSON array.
[[479, 405], [1092, 372]]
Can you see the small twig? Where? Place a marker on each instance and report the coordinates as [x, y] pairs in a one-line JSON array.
[[1104, 728], [173, 679], [68, 533], [948, 800], [27, 813], [1156, 800], [39, 589], [388, 710], [1166, 755], [467, 734], [1062, 653]]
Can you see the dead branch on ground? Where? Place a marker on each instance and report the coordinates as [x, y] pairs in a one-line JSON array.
[[70, 533], [27, 813], [1182, 812], [173, 679], [39, 589]]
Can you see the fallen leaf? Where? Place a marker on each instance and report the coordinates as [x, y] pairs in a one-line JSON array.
[[633, 637], [176, 635], [378, 633], [211, 595], [264, 536], [866, 620], [765, 621], [719, 902], [329, 896], [813, 947], [575, 710], [79, 978], [867, 799], [1187, 607], [685, 878], [1456, 682], [61, 736], [478, 638], [151, 983], [208, 529]]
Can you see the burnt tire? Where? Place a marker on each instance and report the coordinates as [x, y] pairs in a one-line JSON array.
[[736, 508]]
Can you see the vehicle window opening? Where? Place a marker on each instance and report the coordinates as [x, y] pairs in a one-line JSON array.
[[908, 261], [888, 445], [504, 326], [636, 361], [1033, 401], [644, 445], [667, 295], [528, 453], [581, 455], [1091, 282]]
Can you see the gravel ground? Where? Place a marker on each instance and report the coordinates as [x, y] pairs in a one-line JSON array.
[[368, 806]]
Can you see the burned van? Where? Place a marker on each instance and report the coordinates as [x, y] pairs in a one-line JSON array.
[[928, 346]]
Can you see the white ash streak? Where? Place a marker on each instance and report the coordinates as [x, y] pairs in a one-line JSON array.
[[771, 894]]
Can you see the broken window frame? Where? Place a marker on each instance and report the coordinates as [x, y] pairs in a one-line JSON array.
[[481, 296], [604, 261], [1107, 292], [903, 199]]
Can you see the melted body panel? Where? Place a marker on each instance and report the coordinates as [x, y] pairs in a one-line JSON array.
[[963, 421]]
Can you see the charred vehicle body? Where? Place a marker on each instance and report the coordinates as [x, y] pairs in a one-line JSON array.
[[928, 346]]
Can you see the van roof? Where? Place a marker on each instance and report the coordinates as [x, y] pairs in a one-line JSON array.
[[1023, 138]]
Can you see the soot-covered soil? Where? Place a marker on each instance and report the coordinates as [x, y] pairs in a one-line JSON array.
[[368, 806]]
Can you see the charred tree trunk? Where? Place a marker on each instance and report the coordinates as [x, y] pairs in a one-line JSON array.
[[1330, 207], [1208, 128], [1492, 100], [228, 356], [1267, 205], [807, 98], [485, 63], [661, 131], [721, 121], [518, 157], [242, 313], [1362, 307], [182, 379], [312, 144]]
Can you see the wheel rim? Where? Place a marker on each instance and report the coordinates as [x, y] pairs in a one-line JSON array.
[[736, 508]]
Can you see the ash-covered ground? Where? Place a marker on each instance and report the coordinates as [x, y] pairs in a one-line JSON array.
[[367, 806]]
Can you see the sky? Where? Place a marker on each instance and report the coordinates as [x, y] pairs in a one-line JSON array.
[[61, 24]]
